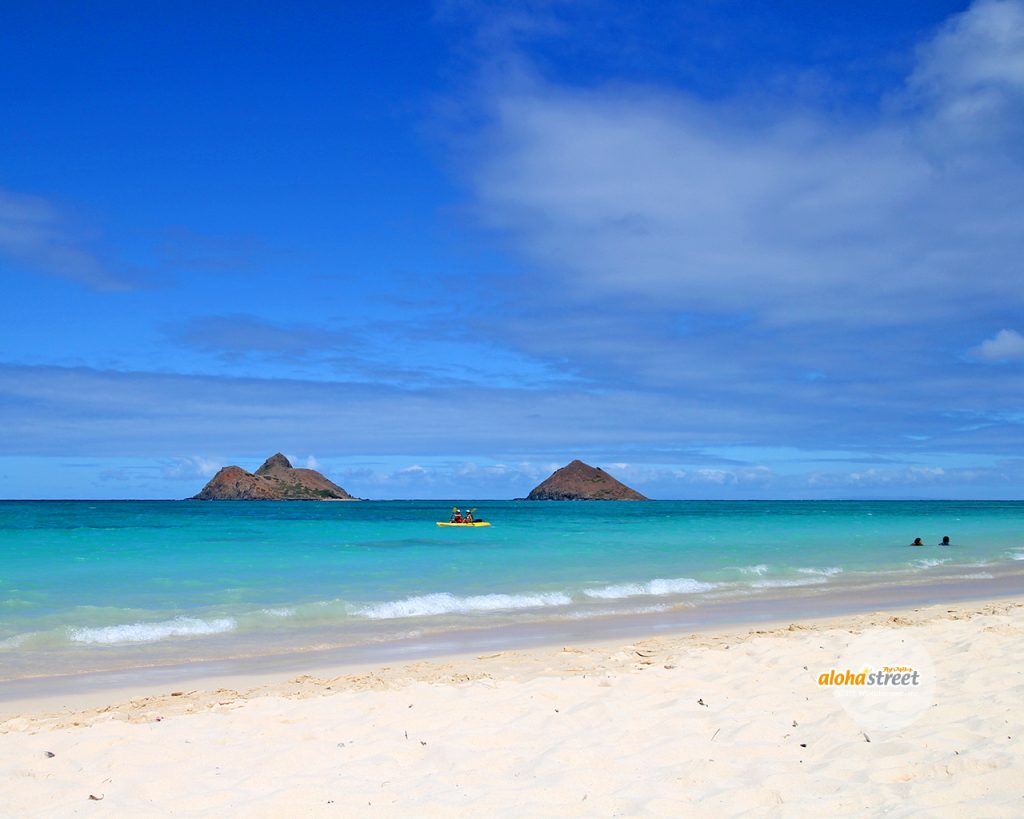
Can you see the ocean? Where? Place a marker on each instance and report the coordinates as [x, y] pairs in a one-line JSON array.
[[101, 585]]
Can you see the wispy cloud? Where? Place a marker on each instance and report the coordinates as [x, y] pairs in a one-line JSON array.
[[85, 412], [425, 351], [234, 336], [37, 235]]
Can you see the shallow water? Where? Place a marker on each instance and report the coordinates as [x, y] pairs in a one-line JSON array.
[[92, 585]]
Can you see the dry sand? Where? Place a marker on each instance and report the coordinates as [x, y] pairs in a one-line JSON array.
[[705, 725]]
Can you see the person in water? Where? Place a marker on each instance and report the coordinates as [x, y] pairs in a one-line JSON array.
[[917, 542], [945, 541]]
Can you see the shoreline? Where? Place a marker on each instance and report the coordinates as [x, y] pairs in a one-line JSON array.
[[144, 586], [819, 608], [726, 722]]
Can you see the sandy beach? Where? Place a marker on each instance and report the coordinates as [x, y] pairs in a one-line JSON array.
[[711, 724], [512, 409]]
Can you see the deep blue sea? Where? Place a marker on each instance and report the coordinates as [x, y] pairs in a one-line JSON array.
[[92, 585]]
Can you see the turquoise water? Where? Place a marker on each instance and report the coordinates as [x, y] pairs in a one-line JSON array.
[[90, 585]]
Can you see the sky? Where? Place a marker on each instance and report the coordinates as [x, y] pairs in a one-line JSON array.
[[721, 248]]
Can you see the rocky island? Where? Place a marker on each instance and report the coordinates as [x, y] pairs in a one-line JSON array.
[[277, 479], [580, 481]]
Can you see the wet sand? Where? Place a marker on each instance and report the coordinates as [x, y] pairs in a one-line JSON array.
[[713, 723]]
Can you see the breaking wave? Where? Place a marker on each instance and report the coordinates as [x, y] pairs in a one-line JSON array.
[[829, 571], [445, 603], [280, 612], [583, 615], [784, 584], [656, 587], [929, 563], [150, 632]]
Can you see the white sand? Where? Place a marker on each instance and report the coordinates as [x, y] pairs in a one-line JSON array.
[[676, 725]]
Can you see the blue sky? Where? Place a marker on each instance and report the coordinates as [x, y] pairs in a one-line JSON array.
[[724, 249]]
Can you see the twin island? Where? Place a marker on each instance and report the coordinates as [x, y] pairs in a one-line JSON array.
[[277, 479]]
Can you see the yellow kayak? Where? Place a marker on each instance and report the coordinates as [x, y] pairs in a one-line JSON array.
[[474, 523]]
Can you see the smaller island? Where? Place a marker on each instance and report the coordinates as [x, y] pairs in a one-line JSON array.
[[580, 481], [277, 479]]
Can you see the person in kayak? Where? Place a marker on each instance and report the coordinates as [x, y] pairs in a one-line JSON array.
[[469, 516], [456, 515]]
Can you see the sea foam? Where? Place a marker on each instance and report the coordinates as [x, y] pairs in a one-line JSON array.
[[656, 587], [279, 612], [829, 571], [785, 584], [445, 603], [929, 563], [583, 615], [151, 632]]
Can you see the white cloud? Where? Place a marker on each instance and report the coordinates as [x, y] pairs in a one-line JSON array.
[[191, 467], [741, 476], [972, 72], [1006, 345], [796, 216], [904, 476]]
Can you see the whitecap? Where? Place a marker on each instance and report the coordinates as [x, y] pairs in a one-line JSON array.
[[758, 569], [828, 571], [278, 612], [151, 632], [445, 603], [583, 615], [929, 563], [784, 584], [656, 587]]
